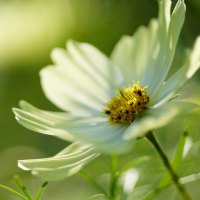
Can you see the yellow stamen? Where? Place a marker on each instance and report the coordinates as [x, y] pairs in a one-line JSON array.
[[127, 104]]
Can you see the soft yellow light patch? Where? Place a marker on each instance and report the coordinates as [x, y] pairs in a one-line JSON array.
[[127, 104]]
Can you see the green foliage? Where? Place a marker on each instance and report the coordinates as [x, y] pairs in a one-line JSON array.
[[25, 193]]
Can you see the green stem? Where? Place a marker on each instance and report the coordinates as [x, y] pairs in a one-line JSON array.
[[114, 177], [182, 191], [13, 191]]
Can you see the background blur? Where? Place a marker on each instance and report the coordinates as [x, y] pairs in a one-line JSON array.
[[29, 30]]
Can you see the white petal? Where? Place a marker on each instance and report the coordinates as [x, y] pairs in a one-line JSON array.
[[178, 79], [130, 179], [104, 136], [158, 117], [96, 131], [66, 94], [64, 164], [168, 89], [147, 56], [95, 62], [132, 53], [42, 121], [76, 74], [168, 33], [82, 80], [53, 116]]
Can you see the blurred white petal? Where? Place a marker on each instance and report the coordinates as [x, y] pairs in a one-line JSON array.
[[102, 135], [130, 180], [64, 164], [148, 54], [82, 80], [36, 121], [188, 144], [178, 79]]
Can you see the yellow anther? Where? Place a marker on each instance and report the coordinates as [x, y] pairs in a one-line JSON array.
[[127, 104]]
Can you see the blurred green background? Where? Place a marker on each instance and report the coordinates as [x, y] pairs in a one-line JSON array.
[[29, 30]]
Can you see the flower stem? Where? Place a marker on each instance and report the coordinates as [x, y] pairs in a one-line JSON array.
[[182, 191], [114, 177]]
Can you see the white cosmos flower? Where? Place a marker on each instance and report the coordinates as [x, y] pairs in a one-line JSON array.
[[83, 80]]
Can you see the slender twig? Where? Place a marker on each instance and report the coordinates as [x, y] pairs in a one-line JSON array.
[[13, 191], [41, 191], [182, 191]]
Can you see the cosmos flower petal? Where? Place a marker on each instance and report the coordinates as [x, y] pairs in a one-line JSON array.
[[92, 130], [104, 136], [192, 64], [74, 72], [168, 89], [147, 56], [95, 62], [52, 116], [82, 79], [65, 95], [133, 53], [168, 32], [156, 118], [42, 121], [66, 163]]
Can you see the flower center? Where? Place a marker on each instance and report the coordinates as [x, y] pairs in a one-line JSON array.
[[127, 104]]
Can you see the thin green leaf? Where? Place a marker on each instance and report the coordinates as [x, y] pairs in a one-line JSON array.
[[93, 183], [133, 163], [176, 159], [184, 180], [41, 191], [13, 192], [22, 187]]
